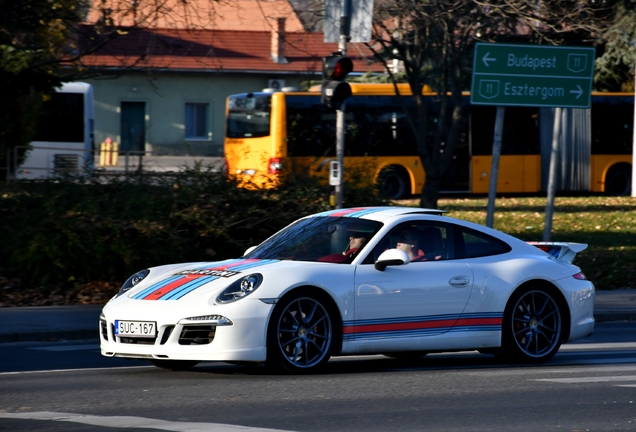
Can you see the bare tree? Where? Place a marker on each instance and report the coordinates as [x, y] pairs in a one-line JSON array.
[[434, 40]]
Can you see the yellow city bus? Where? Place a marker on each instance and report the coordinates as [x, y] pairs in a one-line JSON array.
[[269, 132]]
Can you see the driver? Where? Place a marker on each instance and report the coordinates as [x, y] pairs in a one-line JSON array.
[[356, 241]]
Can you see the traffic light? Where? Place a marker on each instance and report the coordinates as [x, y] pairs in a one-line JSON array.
[[335, 90]]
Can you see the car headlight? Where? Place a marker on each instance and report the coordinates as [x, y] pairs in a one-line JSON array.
[[132, 281], [240, 288]]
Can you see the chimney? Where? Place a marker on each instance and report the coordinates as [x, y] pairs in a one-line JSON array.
[[278, 41]]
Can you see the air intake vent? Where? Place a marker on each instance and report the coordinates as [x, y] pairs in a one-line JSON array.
[[197, 335], [104, 329]]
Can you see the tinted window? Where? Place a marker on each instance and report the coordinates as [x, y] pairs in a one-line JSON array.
[[476, 244], [374, 126], [520, 130], [612, 124], [434, 241], [61, 119]]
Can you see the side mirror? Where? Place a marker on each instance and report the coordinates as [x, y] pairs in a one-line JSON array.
[[249, 249], [391, 257]]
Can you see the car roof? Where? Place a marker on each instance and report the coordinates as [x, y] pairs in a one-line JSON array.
[[377, 213]]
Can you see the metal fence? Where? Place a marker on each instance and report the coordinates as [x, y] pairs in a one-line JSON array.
[[47, 162]]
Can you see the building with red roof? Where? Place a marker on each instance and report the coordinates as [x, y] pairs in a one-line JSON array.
[[155, 77]]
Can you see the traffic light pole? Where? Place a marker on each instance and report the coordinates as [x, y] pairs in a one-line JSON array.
[[340, 113]]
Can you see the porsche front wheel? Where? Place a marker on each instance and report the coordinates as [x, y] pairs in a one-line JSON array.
[[533, 326], [302, 333]]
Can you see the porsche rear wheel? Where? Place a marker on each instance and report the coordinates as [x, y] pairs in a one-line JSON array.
[[302, 333], [533, 326], [175, 365]]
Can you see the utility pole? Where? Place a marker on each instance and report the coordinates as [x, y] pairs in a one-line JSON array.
[[334, 92]]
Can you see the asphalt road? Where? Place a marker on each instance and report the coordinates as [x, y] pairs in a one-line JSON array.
[[68, 386]]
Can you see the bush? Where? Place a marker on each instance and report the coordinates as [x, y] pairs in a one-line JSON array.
[[71, 231]]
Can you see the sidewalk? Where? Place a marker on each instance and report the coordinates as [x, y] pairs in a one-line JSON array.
[[82, 321]]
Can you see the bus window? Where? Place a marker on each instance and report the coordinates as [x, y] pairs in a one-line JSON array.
[[612, 124], [520, 131], [378, 126], [62, 109], [311, 127], [248, 116]]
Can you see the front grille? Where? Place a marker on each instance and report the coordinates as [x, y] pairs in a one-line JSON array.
[[197, 334], [138, 341]]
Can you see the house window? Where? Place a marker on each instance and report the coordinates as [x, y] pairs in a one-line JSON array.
[[197, 121]]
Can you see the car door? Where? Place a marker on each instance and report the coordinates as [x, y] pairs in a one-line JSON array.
[[417, 299]]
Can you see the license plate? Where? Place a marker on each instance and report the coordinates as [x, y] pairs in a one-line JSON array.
[[136, 328]]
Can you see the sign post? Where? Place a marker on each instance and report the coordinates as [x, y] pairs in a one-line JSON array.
[[531, 75]]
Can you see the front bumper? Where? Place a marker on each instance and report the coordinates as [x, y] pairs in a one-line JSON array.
[[243, 340]]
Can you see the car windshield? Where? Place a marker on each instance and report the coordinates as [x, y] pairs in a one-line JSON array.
[[324, 239]]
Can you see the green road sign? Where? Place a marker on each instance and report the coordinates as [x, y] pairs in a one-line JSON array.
[[532, 75]]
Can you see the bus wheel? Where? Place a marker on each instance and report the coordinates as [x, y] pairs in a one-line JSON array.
[[394, 183], [618, 181]]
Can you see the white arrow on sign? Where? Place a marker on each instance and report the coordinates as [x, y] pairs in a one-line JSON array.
[[487, 59], [578, 92]]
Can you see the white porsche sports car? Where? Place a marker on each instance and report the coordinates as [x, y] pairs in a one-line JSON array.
[[385, 280]]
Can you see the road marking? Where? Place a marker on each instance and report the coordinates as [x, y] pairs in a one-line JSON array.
[[589, 379], [68, 347], [597, 346], [76, 370], [133, 422]]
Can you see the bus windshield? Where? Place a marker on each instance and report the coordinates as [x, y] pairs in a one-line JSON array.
[[248, 116]]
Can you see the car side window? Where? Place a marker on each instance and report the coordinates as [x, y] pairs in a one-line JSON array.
[[429, 241], [475, 244]]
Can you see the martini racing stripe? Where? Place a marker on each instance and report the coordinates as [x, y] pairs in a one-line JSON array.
[[353, 212], [421, 326], [186, 281]]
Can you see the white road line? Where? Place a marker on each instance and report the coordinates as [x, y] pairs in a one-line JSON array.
[[597, 346], [133, 422], [578, 380], [76, 370]]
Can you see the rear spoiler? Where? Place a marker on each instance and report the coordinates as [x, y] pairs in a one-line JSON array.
[[561, 251]]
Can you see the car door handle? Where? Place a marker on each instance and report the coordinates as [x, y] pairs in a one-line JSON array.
[[459, 281]]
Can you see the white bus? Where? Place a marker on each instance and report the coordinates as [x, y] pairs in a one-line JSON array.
[[63, 141]]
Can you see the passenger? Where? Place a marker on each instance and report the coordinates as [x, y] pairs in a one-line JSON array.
[[408, 242]]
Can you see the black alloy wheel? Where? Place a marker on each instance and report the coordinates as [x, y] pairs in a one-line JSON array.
[[533, 326], [302, 333]]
